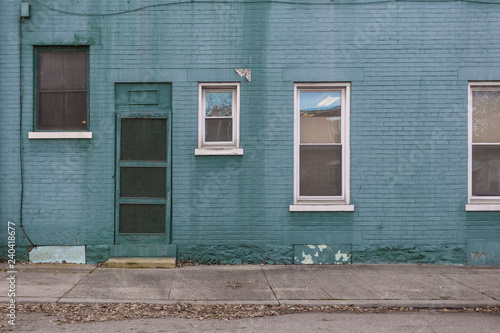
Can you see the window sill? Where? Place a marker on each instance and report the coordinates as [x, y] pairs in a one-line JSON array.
[[59, 135], [483, 207], [218, 151], [322, 208]]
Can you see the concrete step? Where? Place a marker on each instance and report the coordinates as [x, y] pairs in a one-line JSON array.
[[141, 263]]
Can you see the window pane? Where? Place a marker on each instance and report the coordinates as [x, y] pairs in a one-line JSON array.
[[320, 117], [50, 110], [218, 130], [320, 127], [218, 104], [143, 139], [50, 70], [485, 170], [142, 219], [486, 116], [75, 70], [319, 100], [142, 182], [75, 111], [321, 170], [62, 89]]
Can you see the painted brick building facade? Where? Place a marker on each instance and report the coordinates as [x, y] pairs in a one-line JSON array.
[[401, 73]]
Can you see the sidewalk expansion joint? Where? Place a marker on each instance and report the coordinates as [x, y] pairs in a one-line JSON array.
[[76, 284], [366, 284], [270, 287], [330, 295], [171, 284], [479, 291]]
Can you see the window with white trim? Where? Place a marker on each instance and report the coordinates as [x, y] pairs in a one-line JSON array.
[[218, 120], [61, 93], [62, 88], [484, 146], [321, 147]]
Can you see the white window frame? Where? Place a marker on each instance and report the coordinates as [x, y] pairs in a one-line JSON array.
[[479, 203], [60, 133], [319, 203], [219, 148]]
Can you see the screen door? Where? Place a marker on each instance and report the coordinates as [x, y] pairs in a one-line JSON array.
[[142, 211]]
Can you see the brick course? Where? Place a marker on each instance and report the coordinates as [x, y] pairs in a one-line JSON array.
[[408, 120]]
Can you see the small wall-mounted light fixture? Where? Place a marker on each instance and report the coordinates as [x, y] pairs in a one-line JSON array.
[[25, 9]]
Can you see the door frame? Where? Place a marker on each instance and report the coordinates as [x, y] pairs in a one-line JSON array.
[[143, 238]]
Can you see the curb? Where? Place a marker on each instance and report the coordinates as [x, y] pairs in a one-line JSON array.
[[416, 304]]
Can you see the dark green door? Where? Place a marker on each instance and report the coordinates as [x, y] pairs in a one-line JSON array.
[[142, 175], [142, 181]]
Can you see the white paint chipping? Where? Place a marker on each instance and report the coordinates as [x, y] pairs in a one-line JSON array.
[[312, 247], [307, 259], [322, 247], [344, 256]]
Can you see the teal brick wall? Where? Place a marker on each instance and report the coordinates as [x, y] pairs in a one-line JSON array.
[[408, 62], [10, 185]]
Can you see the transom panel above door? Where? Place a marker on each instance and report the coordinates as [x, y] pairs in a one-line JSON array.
[[143, 166]]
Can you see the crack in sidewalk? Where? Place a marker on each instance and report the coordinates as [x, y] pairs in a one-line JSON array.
[[467, 286], [76, 284], [171, 284], [270, 286], [366, 284]]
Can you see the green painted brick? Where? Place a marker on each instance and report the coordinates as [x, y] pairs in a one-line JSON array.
[[408, 64]]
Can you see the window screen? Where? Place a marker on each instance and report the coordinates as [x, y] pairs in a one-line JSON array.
[[62, 88], [148, 182], [143, 139], [142, 218]]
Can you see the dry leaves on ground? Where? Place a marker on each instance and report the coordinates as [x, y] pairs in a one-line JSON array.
[[74, 313]]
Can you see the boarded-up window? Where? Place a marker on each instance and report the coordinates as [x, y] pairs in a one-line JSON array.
[[62, 88]]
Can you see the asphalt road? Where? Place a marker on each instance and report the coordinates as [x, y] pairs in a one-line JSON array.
[[421, 322]]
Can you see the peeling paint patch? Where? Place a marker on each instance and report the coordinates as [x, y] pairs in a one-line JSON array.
[[477, 255], [307, 259], [483, 252], [342, 256], [58, 254], [322, 254]]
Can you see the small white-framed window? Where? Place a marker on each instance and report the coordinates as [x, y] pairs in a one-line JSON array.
[[321, 147], [484, 146], [218, 119]]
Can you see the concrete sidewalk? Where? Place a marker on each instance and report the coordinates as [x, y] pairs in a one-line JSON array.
[[426, 286]]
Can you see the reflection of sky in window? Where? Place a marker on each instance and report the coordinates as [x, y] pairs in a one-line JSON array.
[[218, 104], [319, 100]]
